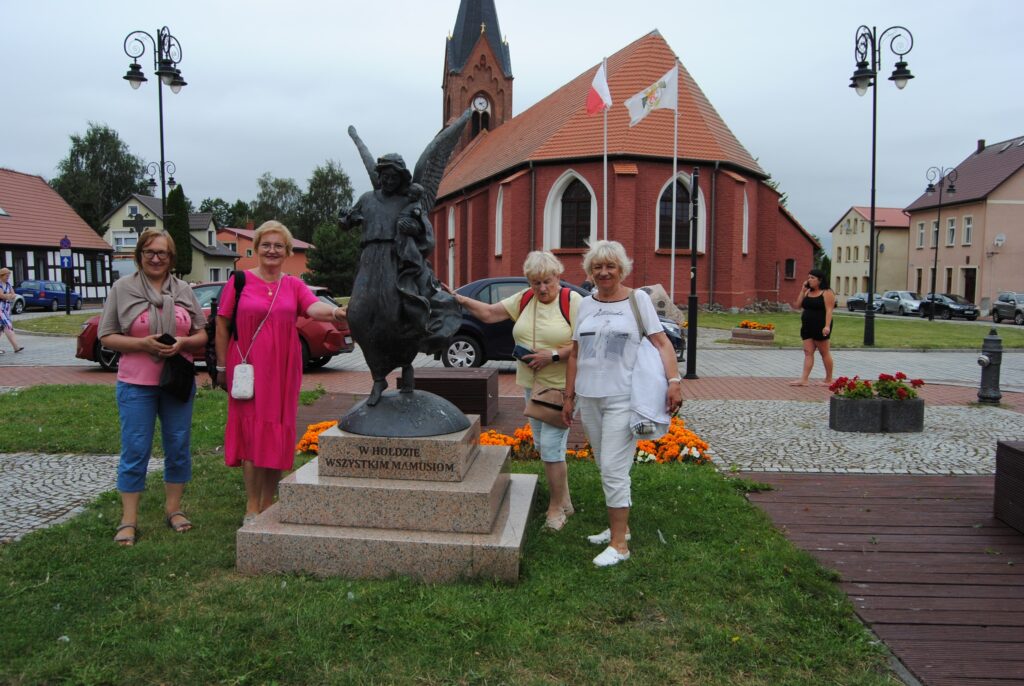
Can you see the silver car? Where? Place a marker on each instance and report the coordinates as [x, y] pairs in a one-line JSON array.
[[900, 302]]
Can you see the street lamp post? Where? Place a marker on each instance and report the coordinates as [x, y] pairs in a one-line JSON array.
[[152, 169], [166, 55], [949, 175], [868, 51]]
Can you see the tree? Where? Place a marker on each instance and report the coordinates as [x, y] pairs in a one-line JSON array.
[[334, 259], [98, 174], [821, 259], [176, 224], [240, 215], [278, 199], [329, 190], [220, 209]]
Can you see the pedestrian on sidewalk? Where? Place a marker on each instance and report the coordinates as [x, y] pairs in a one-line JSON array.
[[149, 317], [7, 296], [818, 302], [544, 316]]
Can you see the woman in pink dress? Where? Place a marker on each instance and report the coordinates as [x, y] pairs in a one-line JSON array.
[[260, 433]]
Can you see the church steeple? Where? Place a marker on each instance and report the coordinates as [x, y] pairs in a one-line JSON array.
[[477, 70]]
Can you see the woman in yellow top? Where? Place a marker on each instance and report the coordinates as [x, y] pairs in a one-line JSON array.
[[540, 326]]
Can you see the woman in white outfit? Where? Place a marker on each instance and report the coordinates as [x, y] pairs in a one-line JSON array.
[[598, 381]]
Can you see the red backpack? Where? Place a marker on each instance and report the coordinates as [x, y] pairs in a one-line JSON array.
[[563, 302]]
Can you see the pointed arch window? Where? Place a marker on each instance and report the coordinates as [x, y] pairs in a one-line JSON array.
[[575, 221], [682, 218]]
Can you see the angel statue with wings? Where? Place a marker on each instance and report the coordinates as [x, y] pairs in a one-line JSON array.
[[398, 308]]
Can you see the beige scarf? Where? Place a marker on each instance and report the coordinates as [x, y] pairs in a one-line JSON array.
[[132, 294]]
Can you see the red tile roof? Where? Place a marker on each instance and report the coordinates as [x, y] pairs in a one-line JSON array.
[[978, 175], [885, 217], [558, 127], [249, 233], [35, 214]]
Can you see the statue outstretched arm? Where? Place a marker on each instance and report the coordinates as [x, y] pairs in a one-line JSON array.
[[368, 160]]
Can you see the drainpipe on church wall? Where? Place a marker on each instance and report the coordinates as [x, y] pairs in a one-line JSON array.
[[533, 207], [712, 214]]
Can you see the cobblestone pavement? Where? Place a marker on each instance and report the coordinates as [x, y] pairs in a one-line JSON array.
[[37, 491], [789, 436]]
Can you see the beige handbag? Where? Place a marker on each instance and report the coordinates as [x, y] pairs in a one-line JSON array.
[[545, 402]]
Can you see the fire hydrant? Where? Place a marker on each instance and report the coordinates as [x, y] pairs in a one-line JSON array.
[[990, 360]]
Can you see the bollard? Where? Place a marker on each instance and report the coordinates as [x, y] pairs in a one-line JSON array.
[[990, 360]]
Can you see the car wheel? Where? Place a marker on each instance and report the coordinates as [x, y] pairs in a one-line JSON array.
[[306, 362], [107, 358], [1018, 319], [996, 318], [319, 362], [78, 304], [947, 315], [463, 351], [902, 312], [19, 306], [53, 305]]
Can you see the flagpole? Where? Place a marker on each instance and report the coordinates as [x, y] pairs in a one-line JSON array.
[[675, 162], [604, 211]]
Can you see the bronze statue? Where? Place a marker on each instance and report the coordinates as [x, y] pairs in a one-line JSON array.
[[398, 308]]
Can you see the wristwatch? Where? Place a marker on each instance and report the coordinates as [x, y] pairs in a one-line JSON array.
[[554, 356]]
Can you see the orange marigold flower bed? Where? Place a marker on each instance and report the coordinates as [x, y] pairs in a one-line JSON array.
[[757, 326], [310, 441]]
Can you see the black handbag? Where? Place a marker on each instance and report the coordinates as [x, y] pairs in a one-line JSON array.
[[178, 377]]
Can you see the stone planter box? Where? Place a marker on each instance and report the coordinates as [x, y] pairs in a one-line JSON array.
[[903, 416], [863, 415], [753, 336], [875, 415]]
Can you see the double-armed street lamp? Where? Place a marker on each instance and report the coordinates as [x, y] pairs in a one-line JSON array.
[[166, 55], [868, 52], [152, 169], [941, 174]]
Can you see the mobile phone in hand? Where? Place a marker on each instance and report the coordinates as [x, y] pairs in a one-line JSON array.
[[167, 339], [520, 351]]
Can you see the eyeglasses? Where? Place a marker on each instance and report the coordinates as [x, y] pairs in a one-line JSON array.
[[156, 254], [276, 247]]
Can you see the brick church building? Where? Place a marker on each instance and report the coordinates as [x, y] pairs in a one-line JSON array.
[[535, 180]]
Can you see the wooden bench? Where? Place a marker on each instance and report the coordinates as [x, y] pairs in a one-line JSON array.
[[474, 391], [1009, 490]]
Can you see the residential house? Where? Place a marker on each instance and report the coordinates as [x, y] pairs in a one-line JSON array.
[[211, 260], [976, 238], [535, 181], [241, 242], [851, 251], [34, 219]]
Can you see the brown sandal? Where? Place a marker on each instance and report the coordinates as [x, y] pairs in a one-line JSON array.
[[181, 527], [126, 541]]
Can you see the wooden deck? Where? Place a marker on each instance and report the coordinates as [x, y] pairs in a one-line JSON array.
[[923, 561]]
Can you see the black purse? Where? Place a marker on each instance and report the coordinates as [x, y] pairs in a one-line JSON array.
[[178, 377]]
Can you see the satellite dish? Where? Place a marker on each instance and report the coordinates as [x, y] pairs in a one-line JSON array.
[[1000, 240]]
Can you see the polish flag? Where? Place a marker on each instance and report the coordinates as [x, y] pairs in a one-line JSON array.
[[599, 98]]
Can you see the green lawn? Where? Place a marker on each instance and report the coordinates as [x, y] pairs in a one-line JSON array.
[[66, 324], [911, 333], [713, 594]]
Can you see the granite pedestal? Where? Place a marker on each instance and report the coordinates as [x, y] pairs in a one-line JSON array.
[[438, 509]]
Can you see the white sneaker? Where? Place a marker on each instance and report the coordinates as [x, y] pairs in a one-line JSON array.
[[604, 538], [610, 556]]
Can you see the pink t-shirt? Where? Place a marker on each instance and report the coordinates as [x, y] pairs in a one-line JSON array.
[[139, 368]]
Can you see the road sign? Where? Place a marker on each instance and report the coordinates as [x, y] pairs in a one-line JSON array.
[[65, 262], [65, 243]]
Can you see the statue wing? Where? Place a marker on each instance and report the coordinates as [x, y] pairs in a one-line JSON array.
[[368, 160], [430, 166]]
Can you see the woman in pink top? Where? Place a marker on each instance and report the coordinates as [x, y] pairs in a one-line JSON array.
[[141, 310], [260, 434]]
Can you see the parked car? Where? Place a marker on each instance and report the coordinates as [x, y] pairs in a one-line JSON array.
[[18, 304], [320, 340], [476, 342], [1008, 305], [859, 301], [900, 302], [48, 295], [948, 305]]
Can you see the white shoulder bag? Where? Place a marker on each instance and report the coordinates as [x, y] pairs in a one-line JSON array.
[[243, 380]]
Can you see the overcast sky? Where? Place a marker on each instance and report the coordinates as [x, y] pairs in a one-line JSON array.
[[272, 85]]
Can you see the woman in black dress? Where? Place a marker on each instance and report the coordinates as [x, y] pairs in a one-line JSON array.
[[817, 301]]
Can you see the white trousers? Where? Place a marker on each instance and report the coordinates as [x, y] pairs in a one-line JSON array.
[[606, 421]]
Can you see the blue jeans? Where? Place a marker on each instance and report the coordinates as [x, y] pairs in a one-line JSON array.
[[139, 406], [550, 440]]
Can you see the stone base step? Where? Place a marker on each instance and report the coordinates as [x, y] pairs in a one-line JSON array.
[[467, 506], [271, 546]]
